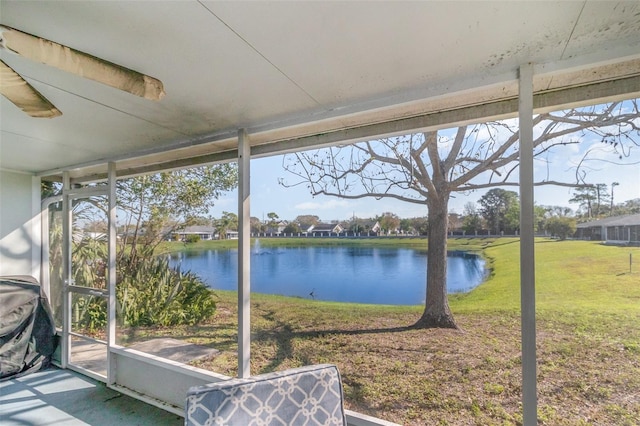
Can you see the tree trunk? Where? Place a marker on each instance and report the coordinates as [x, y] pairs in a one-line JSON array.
[[437, 313]]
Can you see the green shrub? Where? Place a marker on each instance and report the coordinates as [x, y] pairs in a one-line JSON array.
[[561, 227], [148, 293], [155, 294], [192, 238]]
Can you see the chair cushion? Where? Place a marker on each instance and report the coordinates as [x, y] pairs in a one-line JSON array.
[[310, 395]]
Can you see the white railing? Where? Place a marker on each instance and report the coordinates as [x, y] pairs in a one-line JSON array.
[[164, 383]]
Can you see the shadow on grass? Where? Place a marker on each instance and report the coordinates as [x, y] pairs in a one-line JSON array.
[[506, 243], [283, 335], [220, 336]]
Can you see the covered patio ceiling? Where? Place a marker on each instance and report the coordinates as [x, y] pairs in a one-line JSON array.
[[300, 74]]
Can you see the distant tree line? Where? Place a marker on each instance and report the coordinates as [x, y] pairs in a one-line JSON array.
[[497, 212]]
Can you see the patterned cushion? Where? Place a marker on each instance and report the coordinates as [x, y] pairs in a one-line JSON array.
[[309, 395]]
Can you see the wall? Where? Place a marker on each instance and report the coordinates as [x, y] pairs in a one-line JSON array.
[[19, 224], [157, 381]]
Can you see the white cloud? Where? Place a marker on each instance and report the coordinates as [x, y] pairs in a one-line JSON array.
[[327, 205], [226, 202]]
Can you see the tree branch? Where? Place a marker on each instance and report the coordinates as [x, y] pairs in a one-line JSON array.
[[371, 195], [543, 183]]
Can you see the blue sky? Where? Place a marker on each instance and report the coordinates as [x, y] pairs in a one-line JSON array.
[[267, 195]]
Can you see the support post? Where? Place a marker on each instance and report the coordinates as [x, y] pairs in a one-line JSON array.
[[244, 252], [66, 270], [36, 234], [527, 252], [44, 241], [111, 273]]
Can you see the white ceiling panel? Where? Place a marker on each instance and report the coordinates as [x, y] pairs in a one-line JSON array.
[[605, 25], [290, 70], [350, 50]]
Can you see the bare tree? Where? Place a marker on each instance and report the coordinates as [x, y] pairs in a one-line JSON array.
[[426, 168]]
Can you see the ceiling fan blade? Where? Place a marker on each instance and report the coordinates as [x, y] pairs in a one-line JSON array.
[[23, 95], [80, 63]]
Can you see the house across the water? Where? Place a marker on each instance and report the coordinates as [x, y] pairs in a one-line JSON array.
[[325, 229], [201, 231]]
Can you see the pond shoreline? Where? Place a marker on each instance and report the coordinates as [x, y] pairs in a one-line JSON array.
[[468, 244]]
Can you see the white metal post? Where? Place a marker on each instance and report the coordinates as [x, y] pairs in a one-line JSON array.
[[244, 252], [527, 252], [66, 270], [44, 256], [36, 231], [111, 274]]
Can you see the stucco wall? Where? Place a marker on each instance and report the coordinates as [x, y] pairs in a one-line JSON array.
[[19, 224]]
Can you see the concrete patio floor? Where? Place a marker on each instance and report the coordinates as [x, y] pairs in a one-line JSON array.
[[93, 356], [63, 397]]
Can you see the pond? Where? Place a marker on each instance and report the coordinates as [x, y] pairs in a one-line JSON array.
[[390, 276]]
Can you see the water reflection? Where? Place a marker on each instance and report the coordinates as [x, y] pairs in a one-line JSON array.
[[345, 274]]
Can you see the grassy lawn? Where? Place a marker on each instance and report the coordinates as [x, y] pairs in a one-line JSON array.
[[588, 306]]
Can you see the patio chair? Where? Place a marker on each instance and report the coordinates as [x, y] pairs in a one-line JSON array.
[[310, 395]]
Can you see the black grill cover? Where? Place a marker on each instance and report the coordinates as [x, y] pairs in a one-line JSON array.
[[27, 331]]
